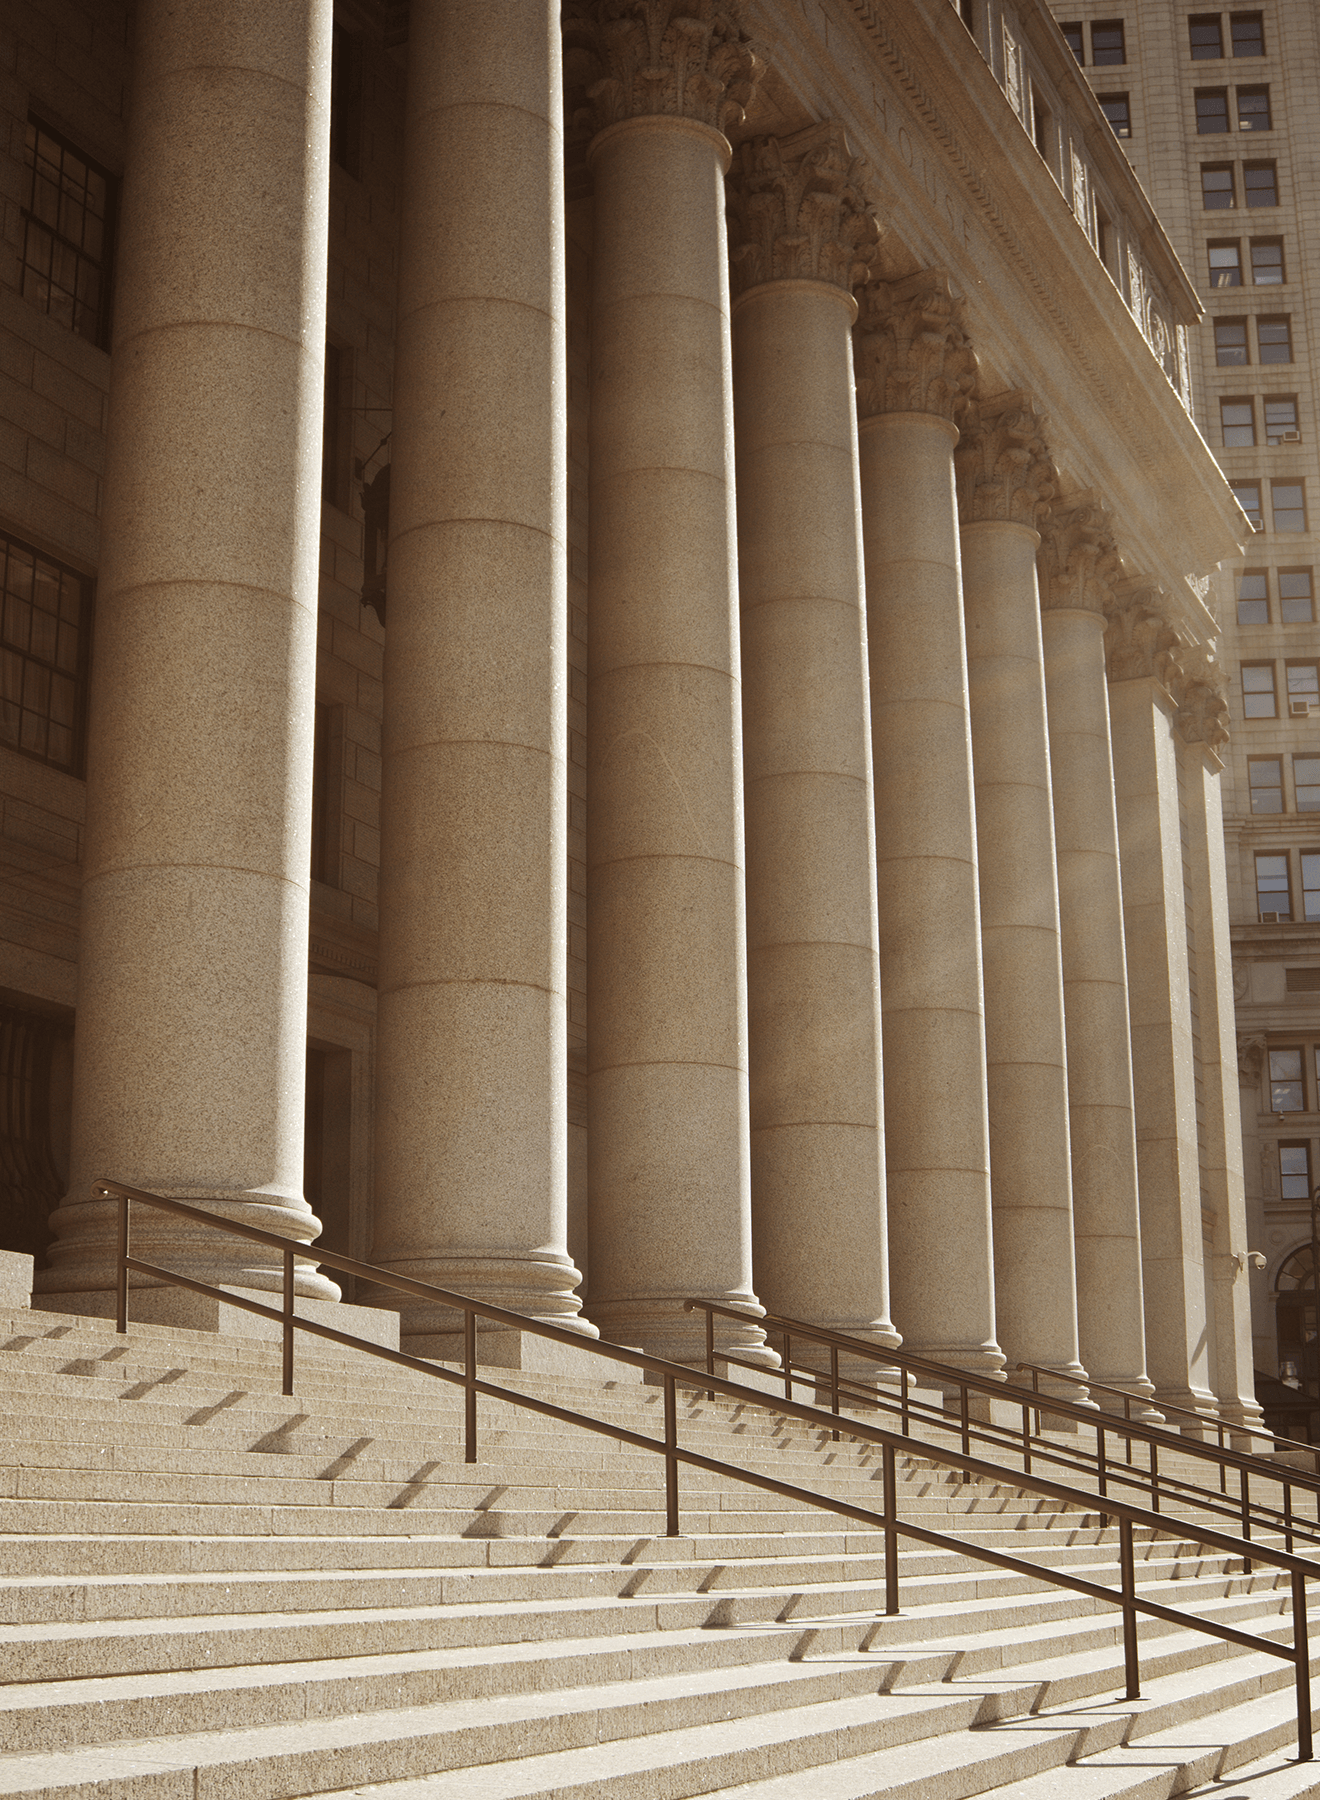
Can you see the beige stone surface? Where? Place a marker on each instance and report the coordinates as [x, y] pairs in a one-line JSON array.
[[1026, 1064], [818, 1201], [193, 993], [471, 1125], [15, 1279]]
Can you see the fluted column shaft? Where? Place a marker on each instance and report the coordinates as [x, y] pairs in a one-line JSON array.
[[1106, 1223], [669, 1196], [471, 1120], [192, 1006], [1026, 1067], [813, 970]]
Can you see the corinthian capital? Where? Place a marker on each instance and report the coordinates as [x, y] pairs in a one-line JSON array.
[[1003, 462], [911, 349], [682, 59], [1139, 641], [797, 211], [1078, 561], [1201, 690]]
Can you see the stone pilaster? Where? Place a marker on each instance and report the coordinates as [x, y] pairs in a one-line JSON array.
[[915, 372]]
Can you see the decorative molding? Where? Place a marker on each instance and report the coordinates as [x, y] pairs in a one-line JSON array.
[[338, 947], [798, 211], [911, 349], [1251, 1047], [1139, 641], [1003, 462], [680, 59], [1201, 690], [1078, 560]]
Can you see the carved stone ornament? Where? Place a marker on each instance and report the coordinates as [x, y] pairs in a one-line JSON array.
[[683, 59], [1201, 691], [1003, 462], [1078, 561], [1251, 1047], [798, 211], [1139, 641], [911, 349]]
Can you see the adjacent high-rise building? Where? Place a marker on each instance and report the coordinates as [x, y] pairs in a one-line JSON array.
[[1217, 113]]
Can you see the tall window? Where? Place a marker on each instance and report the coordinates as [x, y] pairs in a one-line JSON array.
[[1237, 420], [1258, 691], [66, 235], [1294, 1172], [1303, 689], [1260, 184], [1287, 1088], [1247, 495], [1311, 885], [43, 656], [1072, 36], [1274, 337], [1217, 190], [1267, 262], [1041, 128], [1225, 263], [1207, 36], [1116, 109], [1107, 41], [1253, 109], [1230, 343], [1306, 784], [1265, 778], [1211, 111], [346, 100], [1280, 418], [1253, 597], [1272, 895], [1295, 599], [1289, 502], [1248, 33]]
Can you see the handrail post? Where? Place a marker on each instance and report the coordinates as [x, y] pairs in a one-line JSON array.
[[834, 1385], [1244, 1489], [1100, 1459], [1131, 1668], [470, 1386], [966, 1427], [121, 1279], [1127, 1420], [788, 1366], [671, 1460], [288, 1320], [903, 1389], [1154, 1476], [1287, 1516], [1026, 1437], [1223, 1466], [710, 1349], [891, 1532], [1302, 1659]]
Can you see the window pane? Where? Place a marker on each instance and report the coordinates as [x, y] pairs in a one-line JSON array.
[[1107, 41], [1207, 36], [1289, 500], [1294, 1172], [1225, 265], [1253, 106], [1265, 775], [34, 593], [1247, 495], [1280, 417], [65, 244], [1238, 422], [1230, 342], [1286, 1093], [1274, 336], [1258, 690], [1306, 783], [1115, 109], [1073, 38], [1211, 110], [1259, 184], [1253, 598], [1267, 262], [1302, 682], [1310, 885], [1248, 33], [1295, 596], [1217, 186]]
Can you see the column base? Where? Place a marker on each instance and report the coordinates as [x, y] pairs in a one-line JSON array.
[[524, 1352], [664, 1329], [537, 1287], [159, 1305], [1197, 1400], [986, 1360], [1142, 1390]]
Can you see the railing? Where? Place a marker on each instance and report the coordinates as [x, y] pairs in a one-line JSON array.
[[672, 1375], [1099, 1466]]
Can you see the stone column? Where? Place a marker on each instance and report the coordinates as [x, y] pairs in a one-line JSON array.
[[1005, 480], [471, 1116], [801, 235], [915, 370], [1142, 653], [1076, 557], [669, 1205], [1203, 727], [192, 1005]]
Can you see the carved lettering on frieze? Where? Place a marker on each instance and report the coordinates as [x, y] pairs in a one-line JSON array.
[[798, 211], [911, 350], [1003, 462], [1078, 562], [685, 59], [1139, 641], [1201, 690]]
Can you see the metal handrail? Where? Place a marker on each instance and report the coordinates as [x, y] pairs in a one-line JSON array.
[[1105, 1470], [1125, 1597]]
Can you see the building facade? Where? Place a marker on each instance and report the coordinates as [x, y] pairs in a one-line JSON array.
[[735, 811]]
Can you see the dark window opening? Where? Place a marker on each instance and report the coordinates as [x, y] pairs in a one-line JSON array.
[[1207, 36], [1265, 778], [68, 226], [1108, 44], [1237, 421], [35, 1067], [44, 636], [1267, 268], [337, 427], [1289, 502], [1274, 338], [1306, 785], [1211, 111], [1274, 902], [1072, 36], [1281, 419], [1260, 184], [1247, 30], [1253, 105], [1217, 189], [1040, 127], [1225, 263], [327, 1128], [1253, 597], [346, 101], [1116, 110], [1247, 495], [1295, 599], [1230, 343]]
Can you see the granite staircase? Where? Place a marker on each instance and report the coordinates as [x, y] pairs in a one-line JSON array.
[[213, 1591]]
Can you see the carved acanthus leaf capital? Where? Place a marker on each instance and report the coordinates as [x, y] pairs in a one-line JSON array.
[[1003, 462], [1078, 560], [1139, 641], [684, 59], [911, 349], [798, 211], [1201, 690]]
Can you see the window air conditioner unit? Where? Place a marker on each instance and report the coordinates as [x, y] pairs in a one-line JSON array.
[[1299, 709], [1290, 437], [1271, 918]]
